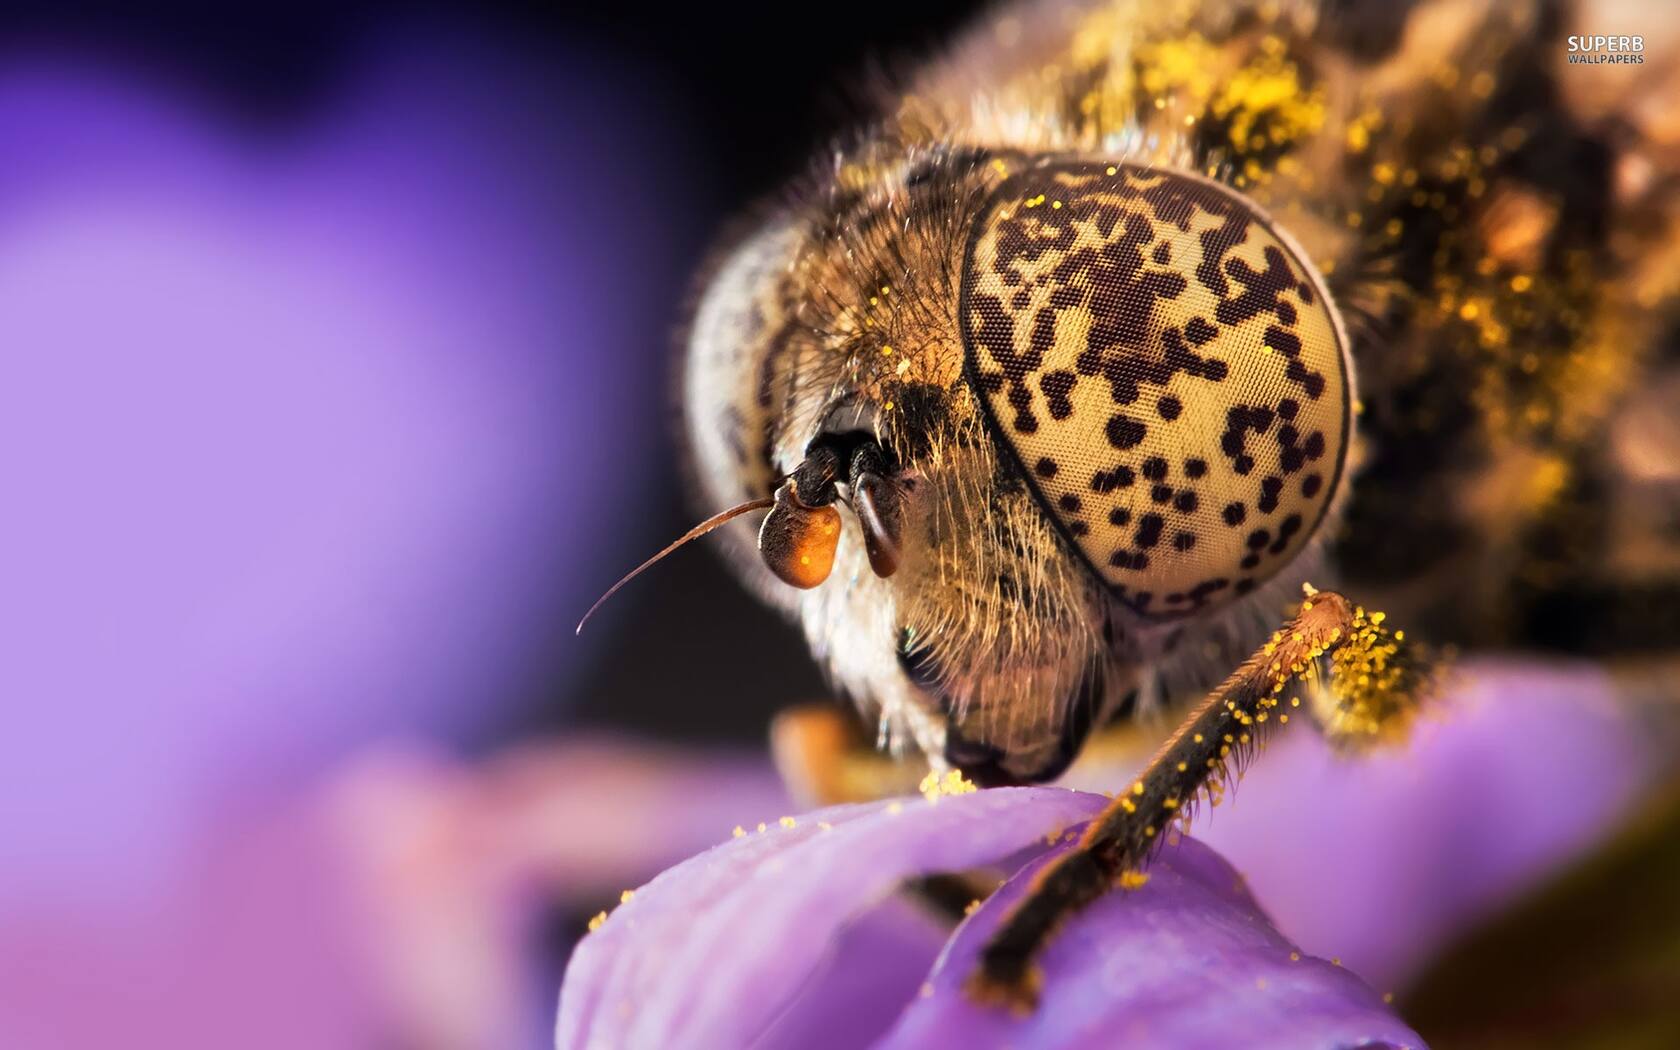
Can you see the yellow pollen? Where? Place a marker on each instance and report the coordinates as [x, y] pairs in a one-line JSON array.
[[935, 786]]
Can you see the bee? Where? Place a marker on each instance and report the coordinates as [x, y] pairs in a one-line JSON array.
[[1123, 321]]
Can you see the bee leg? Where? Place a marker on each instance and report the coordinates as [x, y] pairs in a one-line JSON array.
[[1118, 843], [825, 758]]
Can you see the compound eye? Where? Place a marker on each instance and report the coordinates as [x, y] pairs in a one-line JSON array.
[[1167, 369]]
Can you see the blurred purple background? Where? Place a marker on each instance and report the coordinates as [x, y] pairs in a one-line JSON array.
[[297, 425]]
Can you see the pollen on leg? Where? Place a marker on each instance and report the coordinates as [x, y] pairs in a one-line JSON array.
[[1376, 684], [1199, 762]]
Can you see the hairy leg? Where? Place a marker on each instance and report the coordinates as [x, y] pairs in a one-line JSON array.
[[1374, 685], [825, 759]]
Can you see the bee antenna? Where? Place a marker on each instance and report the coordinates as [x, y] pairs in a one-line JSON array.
[[692, 534]]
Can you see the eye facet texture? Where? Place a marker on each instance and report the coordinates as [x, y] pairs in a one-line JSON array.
[[1168, 371]]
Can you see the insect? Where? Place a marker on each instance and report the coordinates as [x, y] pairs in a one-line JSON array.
[[1123, 321]]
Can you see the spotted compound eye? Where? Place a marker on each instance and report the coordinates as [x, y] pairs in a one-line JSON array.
[[1168, 370]]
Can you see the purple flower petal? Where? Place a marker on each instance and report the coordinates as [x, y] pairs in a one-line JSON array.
[[1186, 961], [872, 970], [1381, 859], [729, 948], [713, 951]]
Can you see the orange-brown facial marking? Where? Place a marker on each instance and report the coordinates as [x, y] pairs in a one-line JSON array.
[[798, 542]]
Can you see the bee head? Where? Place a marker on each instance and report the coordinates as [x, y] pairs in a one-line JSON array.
[[1020, 432], [1167, 371]]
